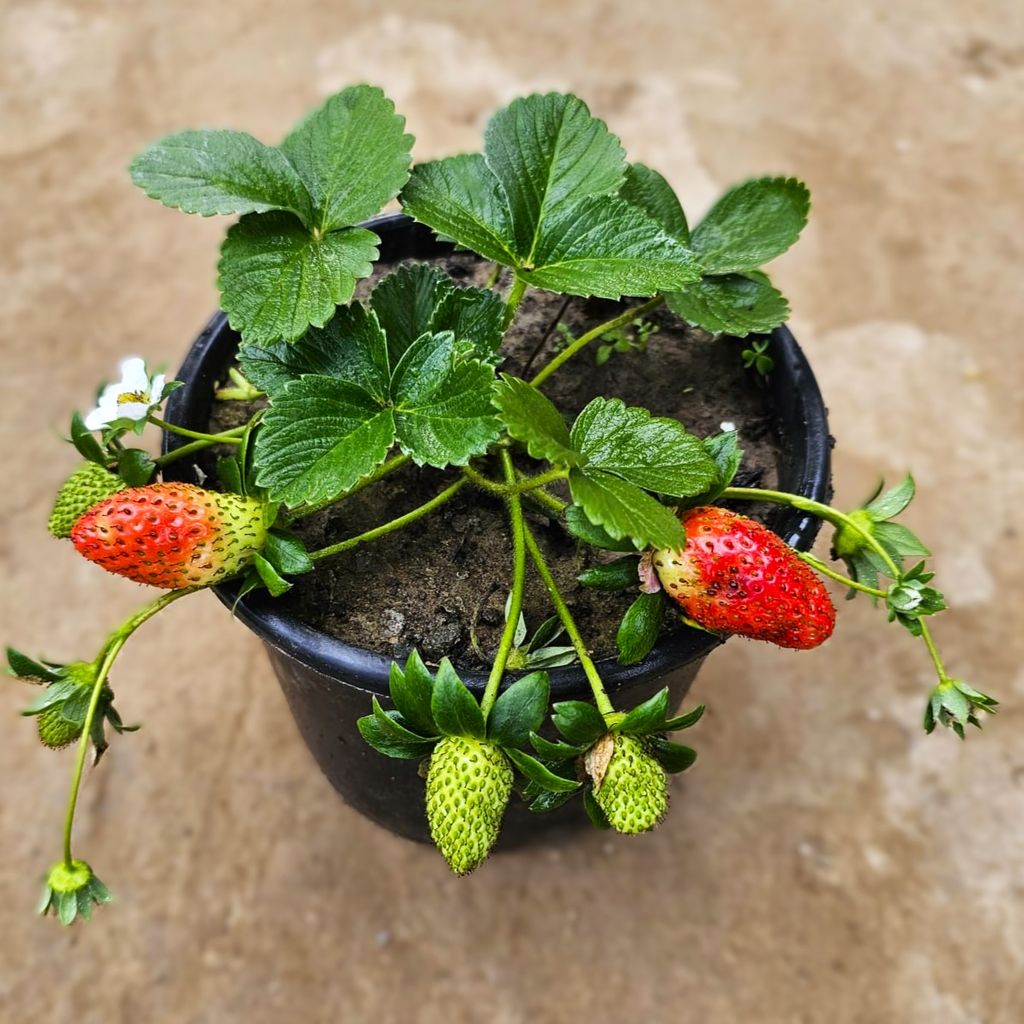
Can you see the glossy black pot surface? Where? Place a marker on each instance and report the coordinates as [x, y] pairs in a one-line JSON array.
[[328, 683]]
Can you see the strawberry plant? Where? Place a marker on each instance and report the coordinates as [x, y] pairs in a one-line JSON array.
[[351, 389]]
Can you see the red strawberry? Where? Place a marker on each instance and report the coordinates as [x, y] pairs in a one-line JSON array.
[[172, 535], [736, 576]]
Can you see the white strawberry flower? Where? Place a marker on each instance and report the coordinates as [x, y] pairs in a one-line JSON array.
[[131, 398]]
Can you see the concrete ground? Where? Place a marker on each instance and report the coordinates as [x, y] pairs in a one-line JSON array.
[[824, 861]]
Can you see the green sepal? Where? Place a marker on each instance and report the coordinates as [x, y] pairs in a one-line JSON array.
[[646, 718], [229, 473], [270, 577], [547, 800], [519, 711], [539, 774], [385, 743], [887, 506], [84, 441], [24, 667], [555, 751], [618, 575], [577, 721], [393, 725], [594, 812], [577, 523], [725, 452], [135, 467], [454, 708], [287, 553], [411, 692], [684, 721], [640, 627], [954, 704], [673, 757]]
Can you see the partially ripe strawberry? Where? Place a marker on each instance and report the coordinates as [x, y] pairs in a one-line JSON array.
[[172, 535], [736, 576], [88, 484]]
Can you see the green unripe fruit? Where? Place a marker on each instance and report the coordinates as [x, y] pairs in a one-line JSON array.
[[468, 786], [85, 487], [847, 541], [55, 731], [633, 793]]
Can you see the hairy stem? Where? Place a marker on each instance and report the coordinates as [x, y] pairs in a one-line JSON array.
[[516, 521], [926, 636], [515, 296], [395, 524], [111, 649], [228, 437], [601, 699], [378, 474], [592, 335], [197, 446]]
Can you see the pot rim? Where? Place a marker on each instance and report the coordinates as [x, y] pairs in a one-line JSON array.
[[805, 470]]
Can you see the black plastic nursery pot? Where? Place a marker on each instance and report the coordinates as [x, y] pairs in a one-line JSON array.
[[329, 683]]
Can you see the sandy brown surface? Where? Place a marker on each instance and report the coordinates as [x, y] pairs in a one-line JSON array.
[[824, 861]]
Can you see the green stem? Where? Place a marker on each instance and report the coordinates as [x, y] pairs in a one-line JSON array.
[[546, 500], [819, 566], [243, 390], [826, 512], [484, 482], [198, 446], [519, 485], [515, 296], [378, 474], [492, 277], [395, 524], [601, 698], [111, 649], [926, 636], [592, 335], [228, 437], [515, 515]]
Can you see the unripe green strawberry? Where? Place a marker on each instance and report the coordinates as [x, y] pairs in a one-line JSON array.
[[633, 793], [88, 484], [55, 731], [172, 535], [735, 576], [468, 786]]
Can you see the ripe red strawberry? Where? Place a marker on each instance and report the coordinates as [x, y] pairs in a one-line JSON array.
[[172, 535], [736, 576]]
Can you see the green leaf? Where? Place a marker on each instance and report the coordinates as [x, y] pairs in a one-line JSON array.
[[751, 224], [647, 189], [443, 412], [276, 278], [454, 708], [626, 511], [461, 199], [411, 692], [577, 523], [593, 809], [84, 441], [476, 316], [673, 757], [684, 721], [618, 575], [546, 150], [639, 629], [532, 418], [287, 553], [353, 155], [580, 723], [894, 501], [135, 467], [319, 438], [210, 172], [352, 347], [272, 580], [554, 751], [604, 246], [519, 711], [374, 734], [651, 452], [648, 717], [733, 304], [538, 774], [405, 303]]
